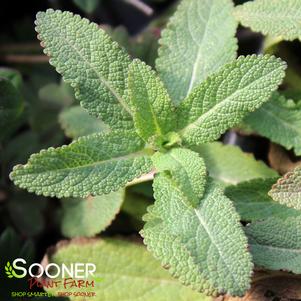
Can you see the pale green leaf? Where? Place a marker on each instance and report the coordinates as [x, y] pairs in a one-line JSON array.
[[287, 190], [76, 122], [204, 247], [278, 121], [227, 96], [253, 203], [153, 112], [87, 217], [124, 271], [228, 164], [92, 165], [195, 44], [87, 58], [278, 18], [187, 169], [275, 243]]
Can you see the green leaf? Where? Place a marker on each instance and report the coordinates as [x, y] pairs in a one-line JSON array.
[[227, 96], [279, 120], [11, 107], [153, 112], [187, 169], [87, 217], [76, 122], [276, 18], [205, 246], [287, 190], [127, 272], [12, 75], [94, 65], [253, 203], [88, 6], [228, 164], [196, 44], [92, 165], [275, 243]]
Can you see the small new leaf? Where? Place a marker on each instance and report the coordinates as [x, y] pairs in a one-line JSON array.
[[153, 112], [277, 18], [92, 165], [204, 247], [94, 65], [187, 169], [227, 96], [196, 44], [287, 190]]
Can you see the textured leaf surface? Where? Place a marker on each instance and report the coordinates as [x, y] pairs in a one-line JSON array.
[[195, 44], [188, 170], [276, 243], [11, 106], [87, 217], [227, 96], [126, 271], [153, 112], [287, 190], [253, 203], [90, 62], [76, 122], [205, 246], [230, 165], [272, 17], [280, 121], [91, 165]]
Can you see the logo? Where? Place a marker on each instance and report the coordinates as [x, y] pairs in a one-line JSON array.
[[10, 272], [52, 270]]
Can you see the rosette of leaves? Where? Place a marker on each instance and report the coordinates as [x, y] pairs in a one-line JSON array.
[[154, 119]]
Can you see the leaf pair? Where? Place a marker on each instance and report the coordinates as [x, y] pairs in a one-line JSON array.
[[193, 228]]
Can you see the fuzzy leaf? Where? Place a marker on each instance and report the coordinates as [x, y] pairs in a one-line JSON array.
[[87, 58], [153, 112], [187, 169], [253, 203], [205, 246], [276, 243], [287, 190], [92, 165], [76, 122], [87, 217], [126, 272], [228, 164], [278, 121], [278, 18], [227, 96], [195, 44]]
